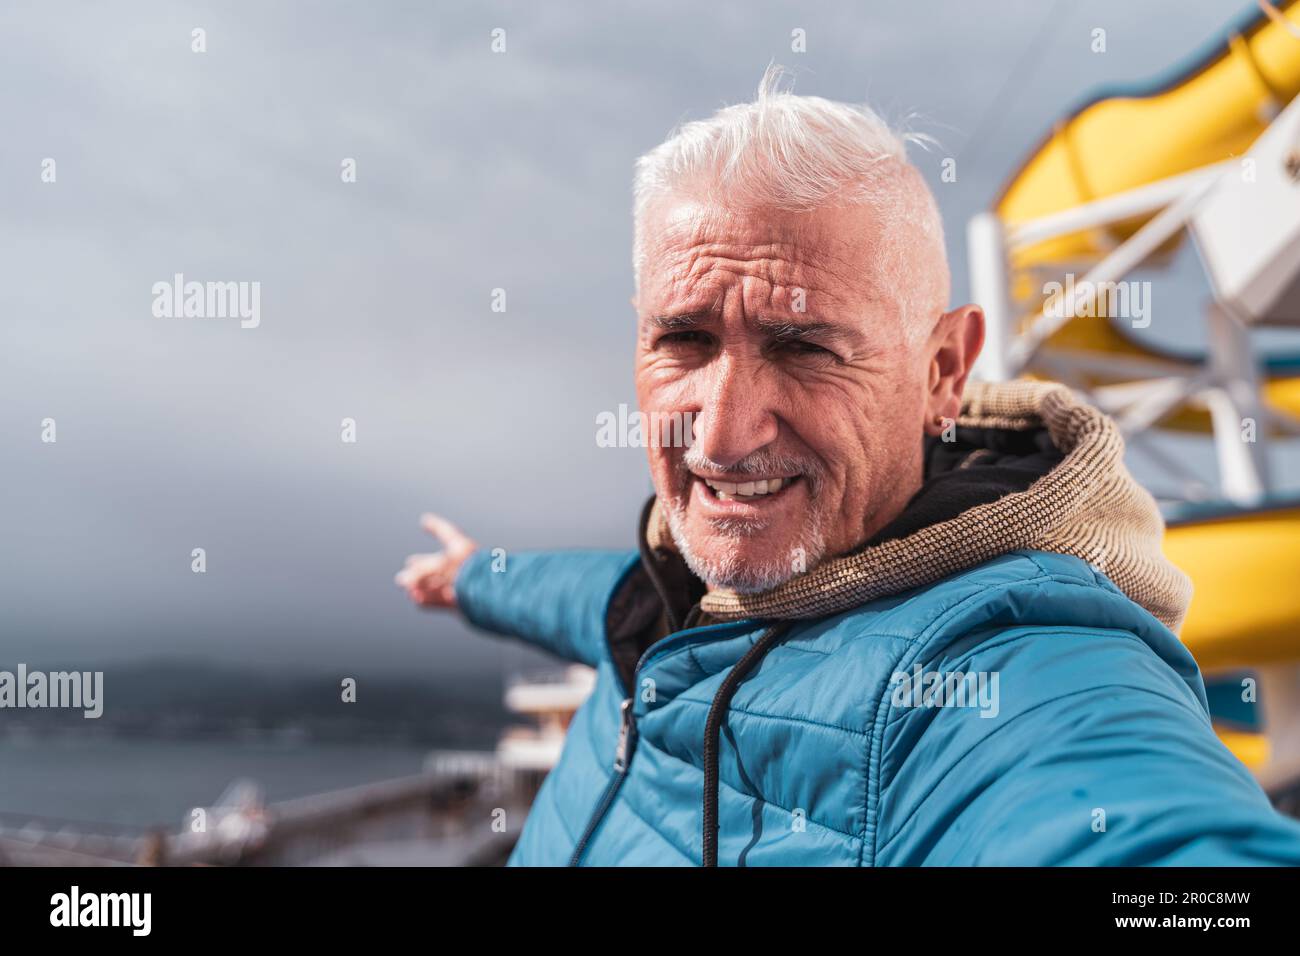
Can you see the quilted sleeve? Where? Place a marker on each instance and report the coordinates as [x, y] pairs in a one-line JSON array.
[[553, 599], [1085, 748]]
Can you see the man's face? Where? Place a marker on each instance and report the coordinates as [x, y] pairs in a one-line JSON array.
[[776, 333]]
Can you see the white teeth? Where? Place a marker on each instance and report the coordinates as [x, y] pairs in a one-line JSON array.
[[729, 491]]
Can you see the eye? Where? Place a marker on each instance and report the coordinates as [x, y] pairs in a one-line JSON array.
[[805, 352], [684, 342], [804, 348]]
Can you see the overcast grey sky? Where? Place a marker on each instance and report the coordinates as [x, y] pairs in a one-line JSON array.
[[475, 171]]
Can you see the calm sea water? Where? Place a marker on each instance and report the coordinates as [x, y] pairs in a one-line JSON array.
[[146, 783]]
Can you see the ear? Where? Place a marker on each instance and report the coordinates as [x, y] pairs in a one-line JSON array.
[[952, 349]]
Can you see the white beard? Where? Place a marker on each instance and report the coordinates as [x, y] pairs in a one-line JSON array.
[[729, 572]]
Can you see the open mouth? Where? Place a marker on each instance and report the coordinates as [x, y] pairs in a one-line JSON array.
[[750, 491]]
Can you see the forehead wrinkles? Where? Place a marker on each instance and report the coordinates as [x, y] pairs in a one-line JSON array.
[[813, 260], [777, 264]]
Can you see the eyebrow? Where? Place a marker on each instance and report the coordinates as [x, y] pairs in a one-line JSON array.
[[788, 330], [679, 323], [781, 328]]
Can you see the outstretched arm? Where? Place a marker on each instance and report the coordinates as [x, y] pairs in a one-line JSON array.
[[555, 600]]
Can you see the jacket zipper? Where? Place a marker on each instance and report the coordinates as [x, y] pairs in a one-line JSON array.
[[627, 736], [622, 755]]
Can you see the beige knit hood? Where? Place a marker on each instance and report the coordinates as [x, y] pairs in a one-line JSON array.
[[1086, 505]]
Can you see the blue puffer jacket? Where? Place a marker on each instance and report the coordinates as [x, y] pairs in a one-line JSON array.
[[1100, 751], [991, 679]]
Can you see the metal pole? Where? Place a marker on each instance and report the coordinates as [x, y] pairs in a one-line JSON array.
[[988, 283]]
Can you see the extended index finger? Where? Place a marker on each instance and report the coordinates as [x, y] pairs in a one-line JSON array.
[[452, 538]]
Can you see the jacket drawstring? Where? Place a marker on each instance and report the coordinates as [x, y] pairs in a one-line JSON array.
[[713, 732]]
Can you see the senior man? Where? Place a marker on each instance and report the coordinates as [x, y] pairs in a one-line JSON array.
[[878, 614]]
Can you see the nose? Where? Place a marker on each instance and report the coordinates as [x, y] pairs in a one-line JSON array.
[[736, 416]]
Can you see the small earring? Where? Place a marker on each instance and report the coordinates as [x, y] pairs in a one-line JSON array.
[[939, 421]]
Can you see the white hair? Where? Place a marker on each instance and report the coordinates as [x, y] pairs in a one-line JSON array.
[[800, 153]]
